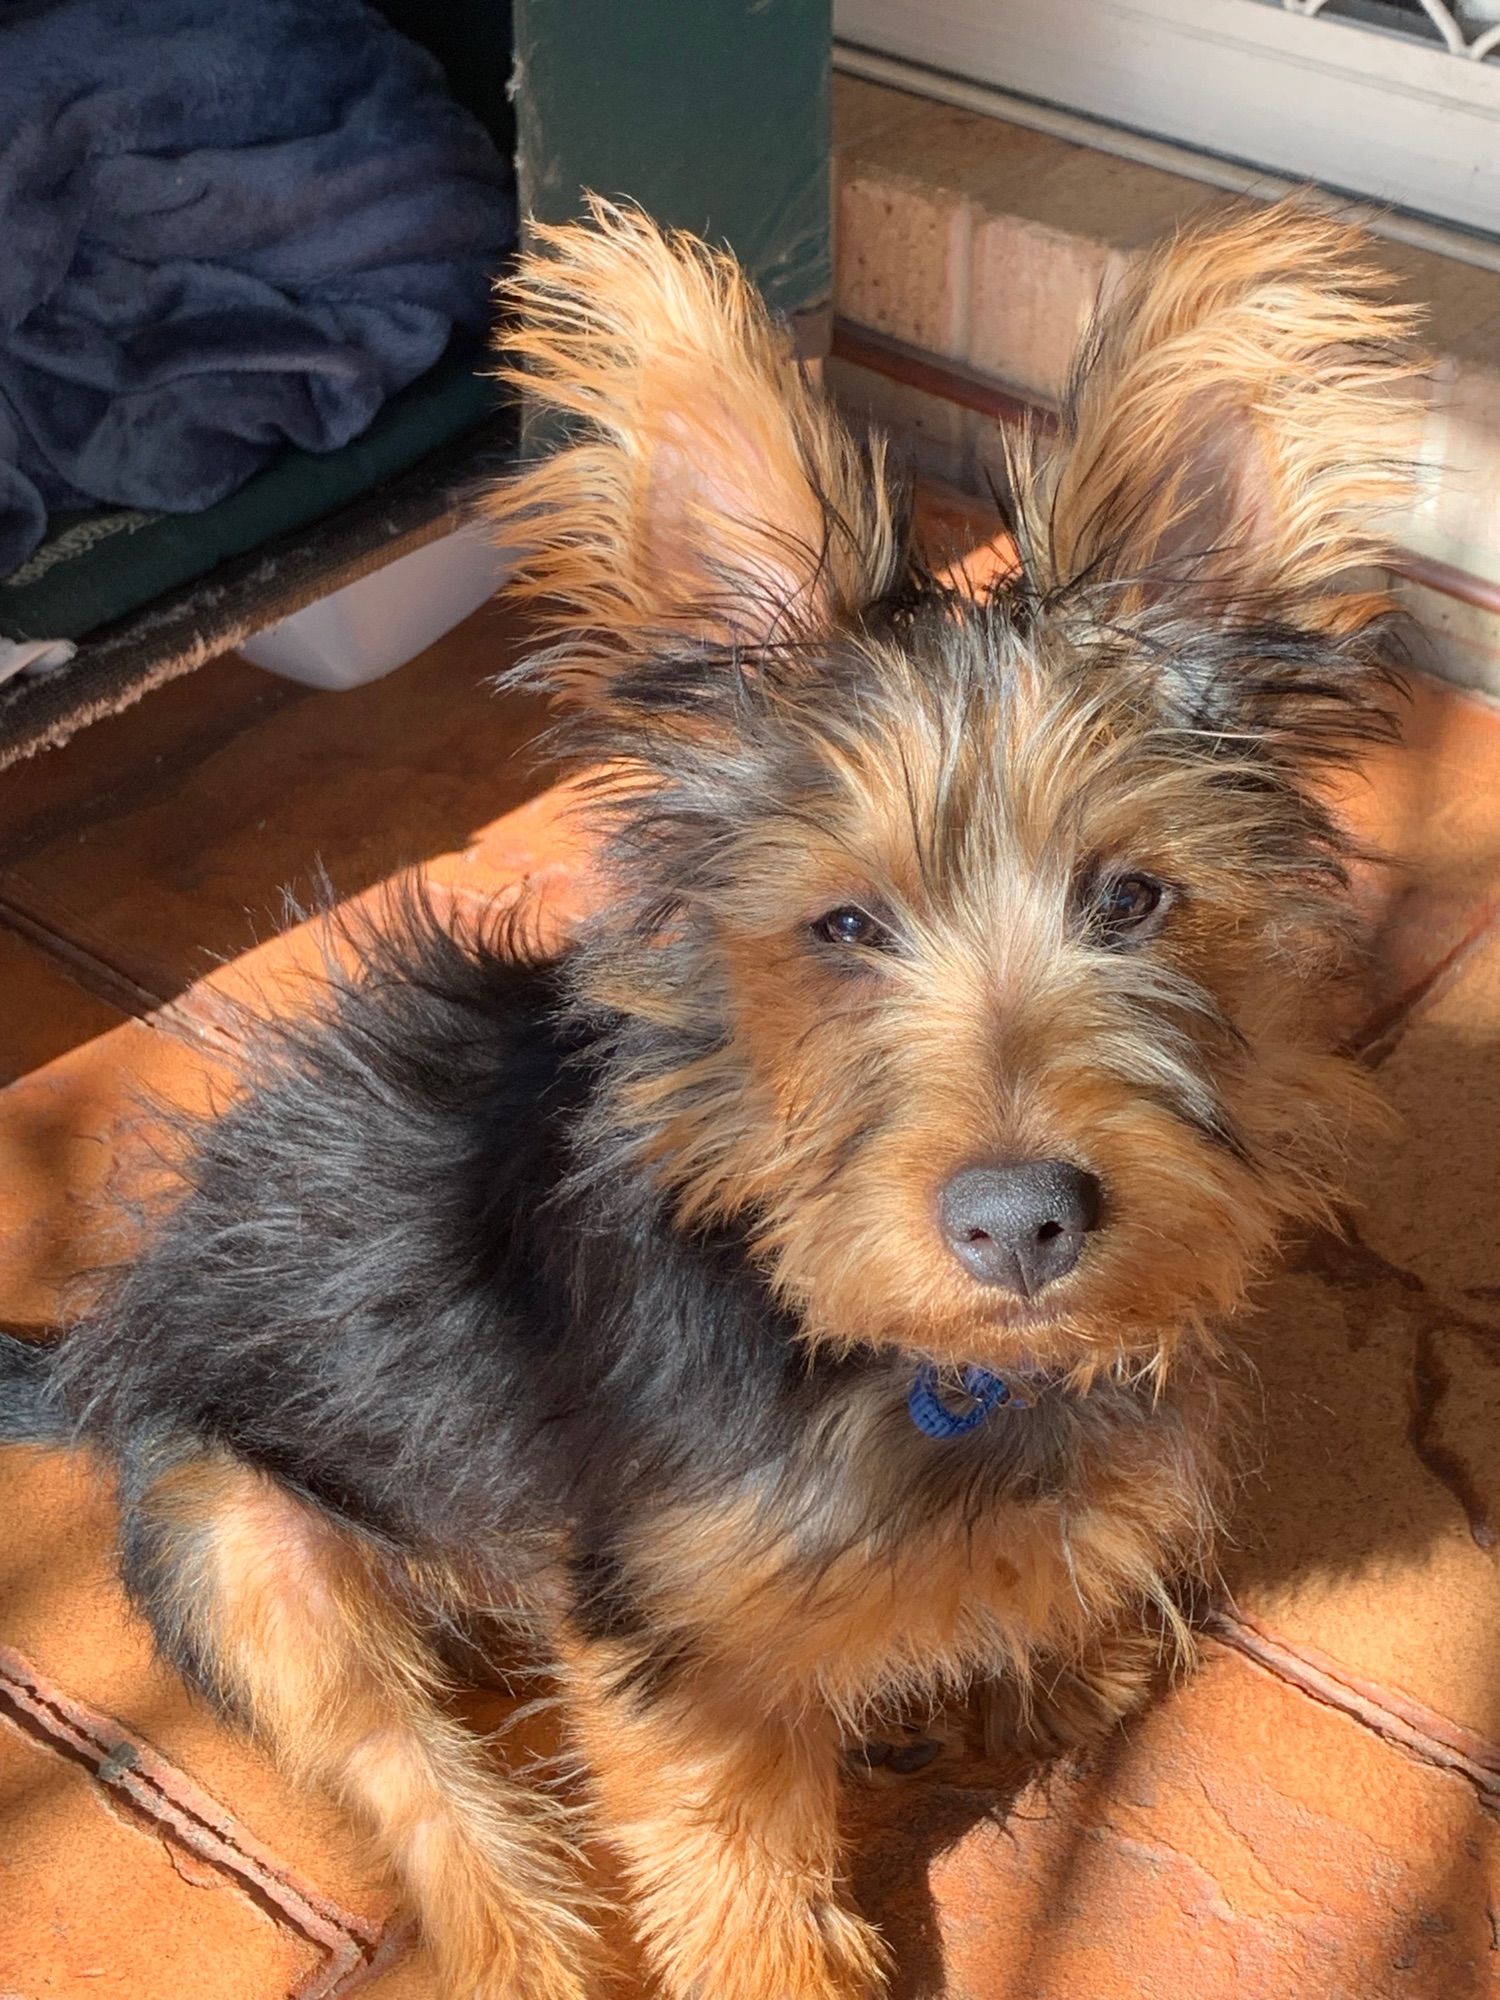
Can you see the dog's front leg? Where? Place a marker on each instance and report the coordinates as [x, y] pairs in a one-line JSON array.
[[286, 1621], [726, 1820], [1071, 1702]]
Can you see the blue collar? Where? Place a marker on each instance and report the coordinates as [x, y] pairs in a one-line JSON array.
[[931, 1414]]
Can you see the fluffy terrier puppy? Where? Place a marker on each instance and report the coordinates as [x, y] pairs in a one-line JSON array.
[[799, 1298]]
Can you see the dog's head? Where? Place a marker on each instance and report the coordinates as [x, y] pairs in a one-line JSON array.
[[968, 952]]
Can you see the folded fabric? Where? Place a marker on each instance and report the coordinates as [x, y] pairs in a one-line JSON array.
[[224, 229]]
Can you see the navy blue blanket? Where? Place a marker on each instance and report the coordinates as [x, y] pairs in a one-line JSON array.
[[225, 225]]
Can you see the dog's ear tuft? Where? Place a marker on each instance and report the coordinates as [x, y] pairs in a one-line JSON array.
[[1239, 429], [704, 493]]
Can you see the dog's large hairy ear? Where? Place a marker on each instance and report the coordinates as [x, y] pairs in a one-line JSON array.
[[704, 492], [1238, 432]]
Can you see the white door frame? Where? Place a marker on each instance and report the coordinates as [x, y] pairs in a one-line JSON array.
[[1382, 115]]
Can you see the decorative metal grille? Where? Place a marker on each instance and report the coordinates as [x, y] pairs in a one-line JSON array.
[[1469, 28]]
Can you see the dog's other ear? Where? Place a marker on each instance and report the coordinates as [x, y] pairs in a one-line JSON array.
[[1238, 431], [705, 492]]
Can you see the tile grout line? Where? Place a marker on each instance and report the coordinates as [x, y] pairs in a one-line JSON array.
[[87, 968], [1421, 1731], [185, 1813], [400, 1937], [1381, 1037]]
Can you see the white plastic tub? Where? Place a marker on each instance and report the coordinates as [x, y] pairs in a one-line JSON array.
[[371, 627]]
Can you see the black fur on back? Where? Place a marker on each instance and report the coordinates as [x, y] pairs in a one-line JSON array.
[[379, 1286], [29, 1408]]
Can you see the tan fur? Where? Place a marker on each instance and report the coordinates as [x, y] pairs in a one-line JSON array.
[[709, 491], [1248, 394], [784, 1603], [1067, 1703], [309, 1646], [719, 1790], [725, 1813]]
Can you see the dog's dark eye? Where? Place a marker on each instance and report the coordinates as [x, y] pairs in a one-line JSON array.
[[1128, 908], [850, 925]]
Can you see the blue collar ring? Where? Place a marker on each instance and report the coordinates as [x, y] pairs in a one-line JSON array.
[[933, 1417]]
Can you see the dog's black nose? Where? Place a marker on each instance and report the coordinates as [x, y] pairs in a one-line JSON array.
[[1020, 1225]]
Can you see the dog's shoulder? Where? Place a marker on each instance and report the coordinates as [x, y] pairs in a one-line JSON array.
[[339, 1267]]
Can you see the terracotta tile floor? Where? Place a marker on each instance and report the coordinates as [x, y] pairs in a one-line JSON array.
[[1313, 1814]]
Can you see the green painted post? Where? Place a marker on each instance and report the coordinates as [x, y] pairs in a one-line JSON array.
[[712, 114]]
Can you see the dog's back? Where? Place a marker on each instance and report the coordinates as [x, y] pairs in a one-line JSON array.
[[331, 1292], [29, 1409]]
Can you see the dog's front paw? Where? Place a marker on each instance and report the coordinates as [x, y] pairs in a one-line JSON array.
[[845, 1959], [1066, 1706], [817, 1950], [857, 1960], [505, 1951]]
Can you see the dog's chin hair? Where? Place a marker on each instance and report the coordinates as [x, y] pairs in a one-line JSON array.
[[1070, 1356]]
